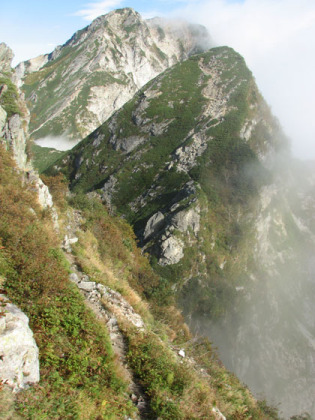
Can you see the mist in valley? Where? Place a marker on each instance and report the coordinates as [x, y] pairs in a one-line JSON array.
[[61, 143], [267, 335]]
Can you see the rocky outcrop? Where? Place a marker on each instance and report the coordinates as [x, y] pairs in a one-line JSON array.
[[187, 219], [6, 57], [45, 199], [153, 225], [186, 156], [19, 363], [30, 66], [15, 136], [3, 118], [13, 126], [172, 251], [161, 229]]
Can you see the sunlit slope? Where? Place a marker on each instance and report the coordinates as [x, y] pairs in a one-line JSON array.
[[184, 161], [109, 334], [203, 113], [199, 166], [80, 84], [82, 374]]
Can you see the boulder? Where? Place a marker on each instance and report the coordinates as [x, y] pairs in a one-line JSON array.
[[172, 251], [217, 413], [3, 118], [19, 363], [153, 224], [87, 286], [67, 242], [186, 219]]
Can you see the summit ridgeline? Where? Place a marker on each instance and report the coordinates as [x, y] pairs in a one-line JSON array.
[[81, 83]]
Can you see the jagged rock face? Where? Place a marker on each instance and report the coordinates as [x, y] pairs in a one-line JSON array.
[[153, 224], [14, 115], [30, 66], [16, 137], [6, 57], [78, 86], [19, 363], [172, 251], [3, 118], [14, 129]]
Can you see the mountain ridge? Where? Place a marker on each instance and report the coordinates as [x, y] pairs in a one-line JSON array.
[[198, 165], [109, 59], [111, 342], [195, 163]]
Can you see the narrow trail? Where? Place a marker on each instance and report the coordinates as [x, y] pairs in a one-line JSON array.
[[95, 295], [105, 303]]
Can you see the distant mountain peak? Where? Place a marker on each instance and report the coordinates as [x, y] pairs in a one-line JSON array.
[[80, 84]]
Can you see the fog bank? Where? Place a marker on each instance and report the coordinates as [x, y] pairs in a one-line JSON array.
[[277, 39]]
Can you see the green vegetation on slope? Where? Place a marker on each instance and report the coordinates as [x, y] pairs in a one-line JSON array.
[[166, 114], [108, 253], [79, 375], [77, 365], [9, 96]]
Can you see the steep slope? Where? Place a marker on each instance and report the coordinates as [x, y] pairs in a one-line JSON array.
[[268, 340], [112, 344], [14, 115], [190, 138], [80, 84], [105, 351], [194, 162]]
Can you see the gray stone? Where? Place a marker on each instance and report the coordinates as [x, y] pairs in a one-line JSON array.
[[15, 137], [74, 277], [108, 189], [172, 251], [217, 413], [6, 57], [3, 117], [44, 196], [19, 363], [87, 286], [186, 219], [181, 353], [153, 224], [67, 242], [129, 144]]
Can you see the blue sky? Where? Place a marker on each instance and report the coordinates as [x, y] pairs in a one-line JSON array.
[[33, 27], [276, 37]]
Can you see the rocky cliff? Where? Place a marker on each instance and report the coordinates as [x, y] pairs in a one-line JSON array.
[[19, 365], [14, 115], [14, 127], [80, 84]]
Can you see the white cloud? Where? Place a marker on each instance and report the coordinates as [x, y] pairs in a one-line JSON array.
[[60, 142], [93, 10], [277, 39]]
